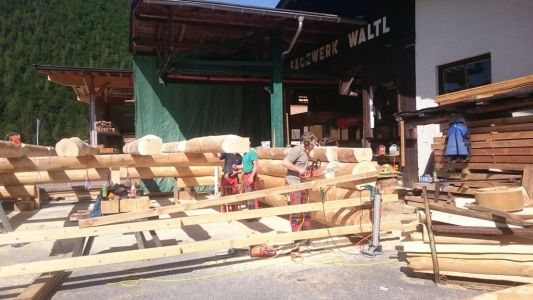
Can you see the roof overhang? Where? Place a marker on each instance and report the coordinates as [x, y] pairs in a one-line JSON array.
[[174, 28], [110, 85]]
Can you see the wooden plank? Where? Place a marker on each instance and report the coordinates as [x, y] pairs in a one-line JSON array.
[[527, 183], [73, 263], [477, 176], [494, 144], [499, 278], [493, 151], [485, 90], [483, 137], [447, 189], [469, 256], [57, 163], [483, 230], [450, 218], [524, 292], [421, 247], [477, 215], [494, 267], [492, 159], [10, 150], [357, 179], [481, 166], [17, 191], [163, 224]]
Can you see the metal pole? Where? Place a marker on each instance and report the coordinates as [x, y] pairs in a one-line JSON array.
[[38, 126]]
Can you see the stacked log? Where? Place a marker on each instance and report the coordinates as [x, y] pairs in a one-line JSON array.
[[474, 242], [333, 162], [210, 144], [147, 145], [74, 147], [10, 150]]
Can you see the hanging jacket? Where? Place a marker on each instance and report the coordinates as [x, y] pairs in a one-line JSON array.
[[457, 140]]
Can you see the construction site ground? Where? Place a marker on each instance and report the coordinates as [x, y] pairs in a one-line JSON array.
[[328, 268]]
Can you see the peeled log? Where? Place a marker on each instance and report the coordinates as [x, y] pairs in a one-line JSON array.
[[57, 163], [342, 216], [271, 168], [272, 153], [21, 178], [336, 193], [354, 155], [323, 154], [210, 144], [10, 150], [482, 266], [14, 192], [267, 182], [74, 147], [147, 145]]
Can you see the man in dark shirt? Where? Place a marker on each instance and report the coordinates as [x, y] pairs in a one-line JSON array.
[[230, 179]]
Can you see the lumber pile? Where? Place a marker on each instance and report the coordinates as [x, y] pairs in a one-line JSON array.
[[106, 126], [486, 91], [474, 241], [501, 150]]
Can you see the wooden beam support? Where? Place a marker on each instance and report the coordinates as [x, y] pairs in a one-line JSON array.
[[174, 223], [10, 150], [57, 163], [210, 144], [224, 200], [169, 251]]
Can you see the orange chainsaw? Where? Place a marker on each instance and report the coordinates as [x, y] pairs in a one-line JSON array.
[[313, 170], [262, 251]]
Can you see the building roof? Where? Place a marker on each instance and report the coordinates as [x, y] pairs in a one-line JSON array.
[[111, 85], [198, 24]]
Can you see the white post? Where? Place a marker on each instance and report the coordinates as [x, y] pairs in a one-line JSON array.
[[216, 182]]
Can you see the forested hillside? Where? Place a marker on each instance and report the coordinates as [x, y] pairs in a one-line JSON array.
[[56, 32]]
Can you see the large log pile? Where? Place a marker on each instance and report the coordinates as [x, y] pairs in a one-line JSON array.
[[334, 162]]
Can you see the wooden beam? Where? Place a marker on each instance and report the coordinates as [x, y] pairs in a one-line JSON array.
[[210, 144], [485, 91], [524, 292], [74, 147], [169, 251], [421, 247], [173, 223], [146, 145], [223, 200], [57, 163], [10, 150]]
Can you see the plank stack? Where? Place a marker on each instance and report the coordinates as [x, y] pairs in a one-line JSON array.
[[473, 242]]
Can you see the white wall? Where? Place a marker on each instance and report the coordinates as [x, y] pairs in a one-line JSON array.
[[452, 30]]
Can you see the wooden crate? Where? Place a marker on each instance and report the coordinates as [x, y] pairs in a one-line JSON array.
[[110, 206], [135, 204]]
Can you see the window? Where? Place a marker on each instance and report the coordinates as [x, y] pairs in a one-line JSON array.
[[465, 74]]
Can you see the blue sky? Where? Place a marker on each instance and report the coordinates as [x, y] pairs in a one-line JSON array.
[[262, 3]]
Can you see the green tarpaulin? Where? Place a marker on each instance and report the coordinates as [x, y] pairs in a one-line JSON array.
[[177, 112]]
